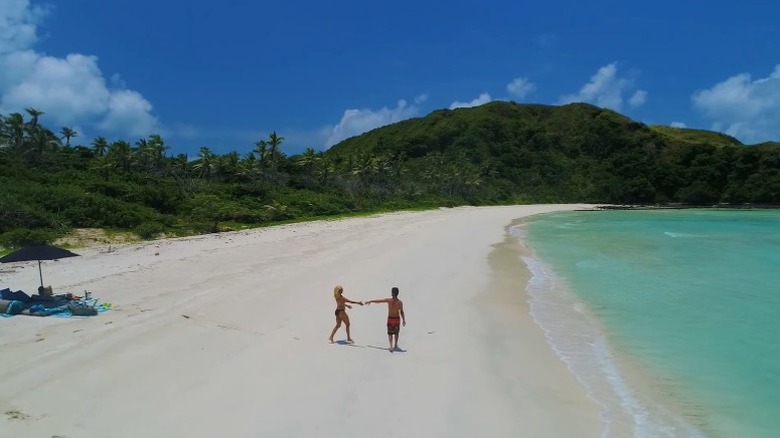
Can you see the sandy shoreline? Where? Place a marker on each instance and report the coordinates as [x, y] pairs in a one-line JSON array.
[[226, 335]]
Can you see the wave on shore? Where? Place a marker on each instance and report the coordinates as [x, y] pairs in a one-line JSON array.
[[576, 337]]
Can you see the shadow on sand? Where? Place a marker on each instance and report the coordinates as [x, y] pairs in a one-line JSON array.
[[375, 347], [395, 350], [348, 344]]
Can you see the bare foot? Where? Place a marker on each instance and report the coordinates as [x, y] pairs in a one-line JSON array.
[[331, 340], [350, 341]]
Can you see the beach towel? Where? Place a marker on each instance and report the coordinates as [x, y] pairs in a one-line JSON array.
[[6, 294], [40, 310], [13, 307]]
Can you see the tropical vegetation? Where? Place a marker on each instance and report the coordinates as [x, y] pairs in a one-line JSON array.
[[498, 153]]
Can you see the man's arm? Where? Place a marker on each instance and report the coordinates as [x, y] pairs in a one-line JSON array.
[[381, 300], [401, 311]]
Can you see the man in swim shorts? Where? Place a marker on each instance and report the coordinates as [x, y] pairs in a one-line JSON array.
[[395, 317]]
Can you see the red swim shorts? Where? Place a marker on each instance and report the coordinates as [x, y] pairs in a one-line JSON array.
[[393, 325]]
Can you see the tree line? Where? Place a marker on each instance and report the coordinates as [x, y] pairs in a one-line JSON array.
[[498, 153]]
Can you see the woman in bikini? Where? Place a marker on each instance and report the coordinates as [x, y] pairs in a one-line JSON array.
[[341, 312]]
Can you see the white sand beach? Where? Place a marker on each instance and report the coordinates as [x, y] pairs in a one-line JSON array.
[[226, 335]]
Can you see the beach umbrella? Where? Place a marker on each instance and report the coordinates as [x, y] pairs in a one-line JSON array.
[[41, 251]]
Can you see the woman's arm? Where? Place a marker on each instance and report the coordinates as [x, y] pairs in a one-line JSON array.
[[353, 302]]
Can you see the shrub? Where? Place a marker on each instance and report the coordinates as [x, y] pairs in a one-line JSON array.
[[149, 230], [25, 236]]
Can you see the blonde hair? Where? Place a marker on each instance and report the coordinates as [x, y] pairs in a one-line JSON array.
[[337, 291]]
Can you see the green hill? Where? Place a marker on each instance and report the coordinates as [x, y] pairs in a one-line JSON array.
[[497, 153], [695, 136], [575, 152], [769, 145]]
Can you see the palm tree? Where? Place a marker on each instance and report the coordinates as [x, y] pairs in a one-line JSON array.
[[365, 167], [308, 161], [121, 152], [181, 162], [145, 154], [275, 141], [103, 164], [247, 166], [326, 168], [158, 146], [34, 114], [100, 146], [226, 166], [67, 134], [15, 126], [262, 151], [41, 143], [206, 162]]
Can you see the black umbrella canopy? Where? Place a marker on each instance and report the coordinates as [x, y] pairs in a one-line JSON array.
[[39, 252]]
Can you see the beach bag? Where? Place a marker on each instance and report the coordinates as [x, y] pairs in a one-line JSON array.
[[79, 308]]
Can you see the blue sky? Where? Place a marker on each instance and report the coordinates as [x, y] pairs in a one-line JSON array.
[[226, 74]]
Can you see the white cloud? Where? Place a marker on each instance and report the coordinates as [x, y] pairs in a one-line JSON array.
[[66, 89], [18, 21], [420, 99], [678, 125], [117, 81], [480, 100], [606, 89], [520, 87], [742, 107], [70, 90], [128, 111], [357, 121], [638, 99]]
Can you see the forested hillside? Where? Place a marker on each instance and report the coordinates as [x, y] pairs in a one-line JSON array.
[[493, 154]]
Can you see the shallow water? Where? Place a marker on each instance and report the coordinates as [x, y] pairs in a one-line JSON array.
[[691, 295]]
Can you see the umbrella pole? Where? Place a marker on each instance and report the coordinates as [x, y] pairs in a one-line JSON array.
[[40, 272]]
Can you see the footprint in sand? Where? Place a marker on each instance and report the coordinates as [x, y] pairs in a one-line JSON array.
[[16, 415]]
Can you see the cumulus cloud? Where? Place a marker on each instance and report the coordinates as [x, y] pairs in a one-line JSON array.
[[743, 107], [678, 125], [70, 90], [18, 21], [638, 99], [520, 87], [128, 111], [480, 100], [606, 89], [357, 121]]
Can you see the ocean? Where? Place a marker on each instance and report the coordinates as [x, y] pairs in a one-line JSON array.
[[669, 318]]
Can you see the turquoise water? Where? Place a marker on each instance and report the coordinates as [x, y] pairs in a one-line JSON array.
[[691, 295]]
